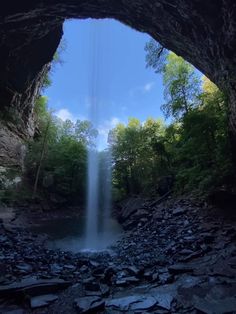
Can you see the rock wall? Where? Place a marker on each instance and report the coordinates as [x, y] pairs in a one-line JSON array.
[[203, 32], [17, 123]]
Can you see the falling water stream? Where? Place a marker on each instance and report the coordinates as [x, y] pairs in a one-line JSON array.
[[96, 230], [98, 218]]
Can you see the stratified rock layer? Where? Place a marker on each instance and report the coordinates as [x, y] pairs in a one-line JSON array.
[[203, 32]]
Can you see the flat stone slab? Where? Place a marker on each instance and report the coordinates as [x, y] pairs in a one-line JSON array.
[[131, 303], [212, 306], [42, 300], [33, 287], [180, 268], [90, 304]]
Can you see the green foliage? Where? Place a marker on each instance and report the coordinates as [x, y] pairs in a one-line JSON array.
[[156, 56], [203, 154], [194, 148], [64, 164], [182, 87], [139, 156]]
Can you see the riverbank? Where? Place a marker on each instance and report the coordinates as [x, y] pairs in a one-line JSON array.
[[175, 257]]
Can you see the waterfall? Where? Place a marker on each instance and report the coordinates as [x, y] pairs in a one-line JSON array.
[[101, 230], [106, 192], [98, 204], [93, 163]]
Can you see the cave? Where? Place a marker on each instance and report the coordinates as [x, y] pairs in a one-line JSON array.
[[203, 32]]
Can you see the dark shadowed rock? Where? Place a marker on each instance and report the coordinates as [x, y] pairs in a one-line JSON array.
[[42, 300], [130, 207], [91, 304], [179, 211], [131, 303], [180, 268], [32, 286]]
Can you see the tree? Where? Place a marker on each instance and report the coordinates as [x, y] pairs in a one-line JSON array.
[[59, 152], [156, 56], [181, 83], [182, 87], [138, 159]]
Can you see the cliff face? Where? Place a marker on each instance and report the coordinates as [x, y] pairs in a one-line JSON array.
[[203, 32], [17, 123]]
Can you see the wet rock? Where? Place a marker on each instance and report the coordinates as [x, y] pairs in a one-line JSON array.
[[129, 207], [141, 213], [209, 296], [24, 268], [12, 311], [207, 237], [131, 303], [105, 290], [179, 211], [147, 275], [185, 252], [125, 281], [91, 285], [84, 269], [180, 268], [165, 278], [33, 286], [164, 300], [99, 271], [42, 300], [69, 267], [214, 306], [133, 270], [90, 304], [108, 275], [94, 264], [55, 268], [191, 256]]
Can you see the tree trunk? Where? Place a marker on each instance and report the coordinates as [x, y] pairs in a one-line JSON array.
[[41, 160]]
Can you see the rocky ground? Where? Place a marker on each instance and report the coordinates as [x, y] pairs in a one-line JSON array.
[[174, 257]]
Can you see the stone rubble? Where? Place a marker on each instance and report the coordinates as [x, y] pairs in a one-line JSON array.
[[180, 259]]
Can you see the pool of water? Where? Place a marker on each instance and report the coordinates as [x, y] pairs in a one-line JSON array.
[[68, 234]]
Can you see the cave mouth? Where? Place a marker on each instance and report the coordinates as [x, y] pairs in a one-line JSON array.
[[201, 32]]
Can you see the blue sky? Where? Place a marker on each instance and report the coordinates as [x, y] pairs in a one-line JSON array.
[[104, 62]]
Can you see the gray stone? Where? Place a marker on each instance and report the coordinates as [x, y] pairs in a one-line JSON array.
[[180, 268], [33, 286], [42, 300], [215, 306], [179, 211], [90, 304], [135, 302], [24, 267]]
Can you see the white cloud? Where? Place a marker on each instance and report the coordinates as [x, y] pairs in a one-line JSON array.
[[147, 87], [107, 125], [64, 114], [103, 130]]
